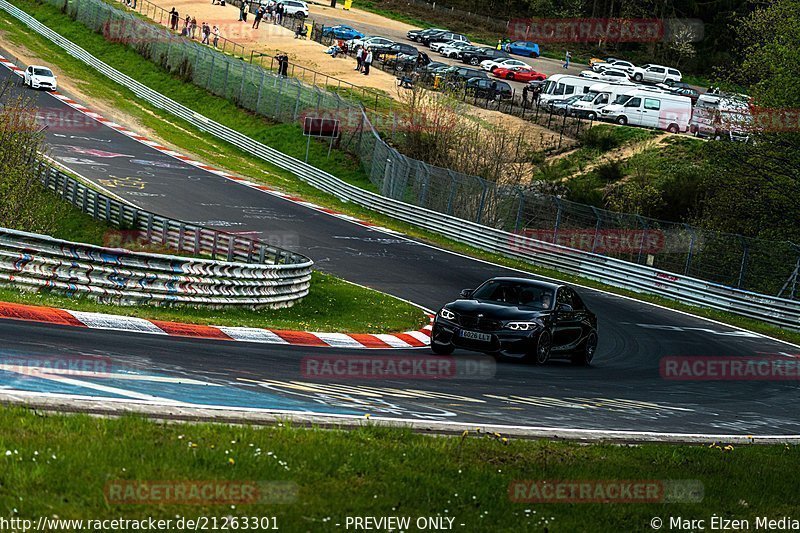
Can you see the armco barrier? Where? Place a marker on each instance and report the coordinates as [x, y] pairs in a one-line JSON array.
[[252, 273], [635, 277]]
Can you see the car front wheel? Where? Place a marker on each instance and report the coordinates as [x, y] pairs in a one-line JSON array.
[[474, 61], [585, 353], [543, 345], [622, 120], [637, 77]]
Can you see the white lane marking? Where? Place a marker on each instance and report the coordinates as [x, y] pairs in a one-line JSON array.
[[107, 389], [734, 333], [252, 335], [116, 322]]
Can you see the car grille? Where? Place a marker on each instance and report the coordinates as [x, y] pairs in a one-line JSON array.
[[479, 324]]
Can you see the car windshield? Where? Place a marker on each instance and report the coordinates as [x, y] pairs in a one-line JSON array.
[[588, 97], [515, 293], [42, 72]]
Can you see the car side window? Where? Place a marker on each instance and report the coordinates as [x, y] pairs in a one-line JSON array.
[[652, 103], [577, 303], [674, 72], [634, 102], [563, 296]]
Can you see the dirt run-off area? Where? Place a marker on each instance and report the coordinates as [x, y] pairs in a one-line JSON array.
[[271, 38]]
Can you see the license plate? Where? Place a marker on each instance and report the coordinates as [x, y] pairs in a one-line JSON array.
[[475, 335]]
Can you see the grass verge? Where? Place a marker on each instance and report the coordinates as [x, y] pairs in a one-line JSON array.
[[60, 465], [286, 138]]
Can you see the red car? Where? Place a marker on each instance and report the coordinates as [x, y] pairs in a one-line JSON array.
[[518, 74]]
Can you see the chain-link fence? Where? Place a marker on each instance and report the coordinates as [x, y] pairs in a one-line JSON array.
[[761, 266]]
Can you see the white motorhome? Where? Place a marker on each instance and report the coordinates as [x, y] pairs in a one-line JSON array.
[[562, 86], [599, 96], [720, 116], [653, 109]]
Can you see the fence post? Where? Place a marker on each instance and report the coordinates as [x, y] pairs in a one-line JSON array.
[[691, 249], [260, 86], [743, 268], [596, 228], [482, 202], [558, 219], [518, 222]]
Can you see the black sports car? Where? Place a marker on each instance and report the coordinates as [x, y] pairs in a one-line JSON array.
[[520, 318]]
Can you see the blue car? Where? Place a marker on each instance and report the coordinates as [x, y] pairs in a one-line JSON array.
[[523, 48], [342, 32]]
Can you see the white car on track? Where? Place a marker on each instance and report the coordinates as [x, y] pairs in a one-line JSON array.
[[504, 62], [38, 77]]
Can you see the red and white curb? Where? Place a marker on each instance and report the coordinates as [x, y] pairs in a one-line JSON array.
[[83, 319], [188, 160]]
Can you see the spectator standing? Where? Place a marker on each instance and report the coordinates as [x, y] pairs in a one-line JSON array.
[[367, 62], [279, 12], [241, 11], [359, 58], [567, 58], [193, 27], [259, 16], [186, 22], [173, 19], [216, 35], [525, 95], [206, 29]]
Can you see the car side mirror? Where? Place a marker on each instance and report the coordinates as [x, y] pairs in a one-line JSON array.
[[564, 308], [467, 293]]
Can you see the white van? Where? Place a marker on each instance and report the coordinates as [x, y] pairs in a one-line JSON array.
[[652, 109], [720, 116], [562, 86], [599, 96]]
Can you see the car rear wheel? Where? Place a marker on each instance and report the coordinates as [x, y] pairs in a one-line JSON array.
[[585, 353], [534, 55], [673, 128], [543, 345]]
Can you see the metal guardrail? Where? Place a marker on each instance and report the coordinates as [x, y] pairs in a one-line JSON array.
[[614, 272], [249, 272]]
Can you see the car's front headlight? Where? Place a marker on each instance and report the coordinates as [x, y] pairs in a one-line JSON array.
[[447, 314], [522, 326]]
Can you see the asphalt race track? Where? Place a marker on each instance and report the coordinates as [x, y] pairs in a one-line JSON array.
[[622, 390]]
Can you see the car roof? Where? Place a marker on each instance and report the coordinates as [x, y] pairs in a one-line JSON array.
[[529, 281]]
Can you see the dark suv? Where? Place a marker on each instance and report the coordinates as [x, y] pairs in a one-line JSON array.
[[416, 35], [474, 57], [444, 37]]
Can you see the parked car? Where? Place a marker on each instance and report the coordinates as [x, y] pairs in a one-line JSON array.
[[437, 46], [523, 48], [616, 64], [722, 116], [656, 74], [524, 74], [488, 89], [563, 106], [398, 48], [454, 50], [443, 37], [374, 42], [474, 57], [416, 35], [38, 77], [560, 86], [595, 60], [506, 62], [522, 318], [343, 32], [295, 8], [461, 74], [608, 75], [693, 94]]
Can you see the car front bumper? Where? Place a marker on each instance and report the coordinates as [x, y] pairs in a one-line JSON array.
[[502, 341]]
